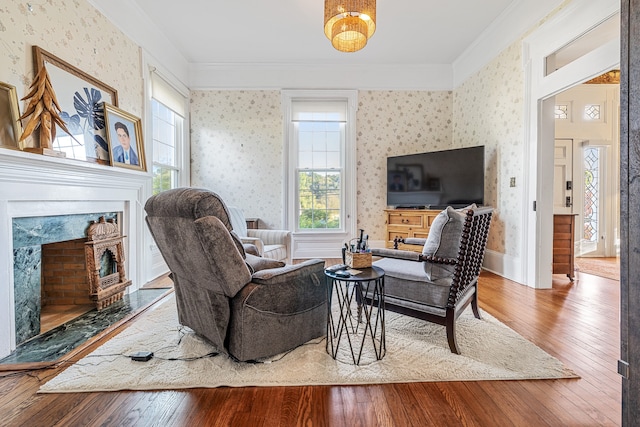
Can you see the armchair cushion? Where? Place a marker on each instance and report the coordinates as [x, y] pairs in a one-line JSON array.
[[408, 281], [276, 243], [443, 241], [415, 241], [251, 249], [253, 245], [300, 286], [396, 253], [229, 271], [257, 263]]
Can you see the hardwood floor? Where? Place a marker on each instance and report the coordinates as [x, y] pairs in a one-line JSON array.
[[52, 316], [600, 266], [576, 322]]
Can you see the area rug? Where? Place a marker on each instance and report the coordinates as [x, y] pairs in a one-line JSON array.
[[601, 267], [417, 351]]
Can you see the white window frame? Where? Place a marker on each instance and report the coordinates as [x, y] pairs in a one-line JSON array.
[[179, 138], [321, 243], [152, 256]]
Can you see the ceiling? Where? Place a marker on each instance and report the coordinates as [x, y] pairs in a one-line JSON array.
[[291, 31]]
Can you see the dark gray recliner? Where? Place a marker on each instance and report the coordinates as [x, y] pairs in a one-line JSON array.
[[246, 306]]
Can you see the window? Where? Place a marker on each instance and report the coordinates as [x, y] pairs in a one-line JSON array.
[[591, 212], [71, 147], [592, 112], [562, 112], [320, 186], [167, 114], [582, 45], [320, 137], [166, 117], [167, 129]]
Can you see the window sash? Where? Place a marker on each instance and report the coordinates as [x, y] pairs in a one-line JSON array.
[[320, 155], [167, 139], [320, 205]]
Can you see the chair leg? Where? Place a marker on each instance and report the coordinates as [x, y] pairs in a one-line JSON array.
[[474, 304], [451, 331]]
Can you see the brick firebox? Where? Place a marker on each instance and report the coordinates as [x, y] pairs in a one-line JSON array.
[[64, 274]]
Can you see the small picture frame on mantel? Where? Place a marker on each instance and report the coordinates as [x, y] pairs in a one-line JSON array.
[[10, 126], [124, 136]]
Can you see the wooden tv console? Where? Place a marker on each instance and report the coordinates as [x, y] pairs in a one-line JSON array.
[[408, 223]]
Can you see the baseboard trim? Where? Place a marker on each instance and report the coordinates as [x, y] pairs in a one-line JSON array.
[[503, 265]]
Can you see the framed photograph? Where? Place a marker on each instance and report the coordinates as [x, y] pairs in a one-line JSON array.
[[124, 136], [433, 184], [80, 96], [10, 126], [414, 176], [397, 181]]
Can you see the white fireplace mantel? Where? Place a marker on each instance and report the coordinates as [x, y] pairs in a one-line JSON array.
[[36, 185]]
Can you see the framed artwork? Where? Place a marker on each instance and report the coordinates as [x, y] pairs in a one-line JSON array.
[[414, 176], [124, 137], [80, 96], [10, 126], [433, 184], [397, 181]]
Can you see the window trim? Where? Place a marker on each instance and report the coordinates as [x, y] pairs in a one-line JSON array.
[[180, 142], [155, 264], [184, 151], [325, 242]]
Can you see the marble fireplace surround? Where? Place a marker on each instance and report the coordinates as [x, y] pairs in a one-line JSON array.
[[29, 234], [33, 185]]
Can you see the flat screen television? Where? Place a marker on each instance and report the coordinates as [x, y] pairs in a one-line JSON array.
[[437, 179]]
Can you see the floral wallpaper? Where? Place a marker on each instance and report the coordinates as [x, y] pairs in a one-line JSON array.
[[237, 143], [236, 136], [75, 32], [394, 123], [236, 150], [488, 110]]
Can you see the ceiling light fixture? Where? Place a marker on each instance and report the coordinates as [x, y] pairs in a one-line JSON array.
[[349, 24]]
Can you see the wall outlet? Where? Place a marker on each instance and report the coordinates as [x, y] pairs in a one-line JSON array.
[[512, 181]]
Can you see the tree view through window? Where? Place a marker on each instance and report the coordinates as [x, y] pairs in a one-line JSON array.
[[319, 171]]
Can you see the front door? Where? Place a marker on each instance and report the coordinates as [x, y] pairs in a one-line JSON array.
[[563, 177]]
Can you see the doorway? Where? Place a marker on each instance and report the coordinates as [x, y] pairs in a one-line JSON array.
[[586, 170], [559, 56]]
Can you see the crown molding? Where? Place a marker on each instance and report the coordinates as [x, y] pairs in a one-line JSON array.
[[436, 77], [520, 17], [136, 25]]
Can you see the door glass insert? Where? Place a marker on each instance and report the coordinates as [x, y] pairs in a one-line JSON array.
[[591, 194]]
